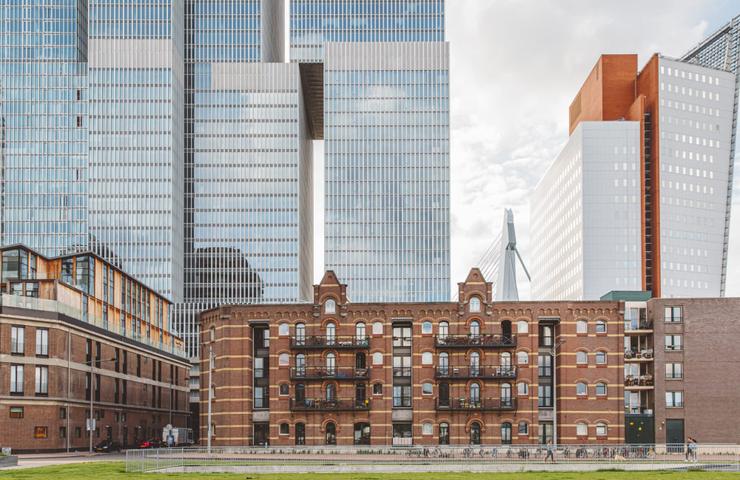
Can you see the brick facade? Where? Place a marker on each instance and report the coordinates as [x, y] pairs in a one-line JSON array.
[[386, 354]]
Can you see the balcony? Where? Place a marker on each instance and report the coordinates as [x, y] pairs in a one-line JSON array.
[[642, 382], [328, 373], [637, 327], [646, 354], [337, 405], [467, 373], [479, 341], [477, 405], [316, 342]]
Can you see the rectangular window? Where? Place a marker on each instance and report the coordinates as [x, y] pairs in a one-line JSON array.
[[674, 399], [16, 379], [673, 371], [544, 395], [16, 412], [673, 342], [62, 432], [17, 340], [42, 342], [42, 380], [40, 432], [62, 413], [673, 314]]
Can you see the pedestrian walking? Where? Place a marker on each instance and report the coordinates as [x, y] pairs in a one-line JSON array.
[[550, 451]]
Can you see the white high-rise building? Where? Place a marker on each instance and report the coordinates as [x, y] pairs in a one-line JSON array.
[[637, 200], [585, 215]]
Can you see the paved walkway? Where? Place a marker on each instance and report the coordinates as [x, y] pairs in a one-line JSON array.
[[32, 460]]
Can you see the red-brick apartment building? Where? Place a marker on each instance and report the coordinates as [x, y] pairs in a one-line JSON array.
[[471, 371], [76, 322]]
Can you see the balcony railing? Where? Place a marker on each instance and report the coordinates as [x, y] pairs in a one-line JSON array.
[[465, 373], [337, 405], [641, 381], [323, 373], [645, 353], [633, 325], [324, 341], [480, 405], [481, 341]]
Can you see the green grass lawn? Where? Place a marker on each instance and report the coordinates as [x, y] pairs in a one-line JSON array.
[[116, 471]]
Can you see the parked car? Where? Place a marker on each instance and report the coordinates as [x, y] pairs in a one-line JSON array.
[[151, 443], [107, 446]]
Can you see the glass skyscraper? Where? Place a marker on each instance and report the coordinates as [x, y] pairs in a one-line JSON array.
[[721, 50], [386, 133]]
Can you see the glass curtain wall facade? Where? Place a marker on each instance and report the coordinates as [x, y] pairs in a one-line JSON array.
[[248, 221], [136, 153], [720, 51], [386, 142], [43, 124]]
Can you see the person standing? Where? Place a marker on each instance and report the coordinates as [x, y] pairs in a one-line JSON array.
[[550, 451]]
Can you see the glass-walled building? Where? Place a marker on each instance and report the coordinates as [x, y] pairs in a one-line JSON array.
[[385, 118]]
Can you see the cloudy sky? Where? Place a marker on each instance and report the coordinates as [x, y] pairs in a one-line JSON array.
[[515, 67]]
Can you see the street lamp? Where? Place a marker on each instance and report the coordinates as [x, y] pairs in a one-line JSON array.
[[91, 421], [554, 351]]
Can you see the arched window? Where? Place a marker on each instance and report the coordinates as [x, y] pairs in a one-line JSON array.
[[300, 365], [601, 389], [474, 364], [581, 389], [522, 326], [505, 361], [506, 331], [300, 394], [474, 304], [474, 328], [284, 329], [545, 336], [444, 330], [582, 429], [427, 328], [331, 392], [474, 393], [300, 333], [331, 363], [330, 307], [212, 334], [377, 358], [601, 429], [377, 328], [360, 361], [444, 433], [427, 428], [427, 358], [444, 363], [600, 358], [475, 433], [284, 359], [523, 428], [582, 327], [331, 333], [505, 394], [360, 332], [330, 436], [581, 357], [522, 389], [600, 326], [506, 433], [522, 358]]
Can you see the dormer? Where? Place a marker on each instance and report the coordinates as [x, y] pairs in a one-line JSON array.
[[330, 296]]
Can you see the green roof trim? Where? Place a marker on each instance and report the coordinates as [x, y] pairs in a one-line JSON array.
[[628, 296]]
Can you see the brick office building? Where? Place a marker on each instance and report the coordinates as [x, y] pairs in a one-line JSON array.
[[472, 371], [65, 319]]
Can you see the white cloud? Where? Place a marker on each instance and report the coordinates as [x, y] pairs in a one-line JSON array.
[[515, 67]]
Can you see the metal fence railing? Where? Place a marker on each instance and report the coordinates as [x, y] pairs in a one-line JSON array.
[[655, 457]]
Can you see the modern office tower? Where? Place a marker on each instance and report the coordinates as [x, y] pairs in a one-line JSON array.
[[43, 125], [720, 51], [385, 125], [136, 131], [248, 174], [684, 119], [586, 213]]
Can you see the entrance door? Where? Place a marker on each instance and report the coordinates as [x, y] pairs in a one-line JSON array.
[[674, 434], [125, 437], [261, 434]]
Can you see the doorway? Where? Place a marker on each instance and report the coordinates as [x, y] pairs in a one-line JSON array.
[[674, 435], [262, 434]]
